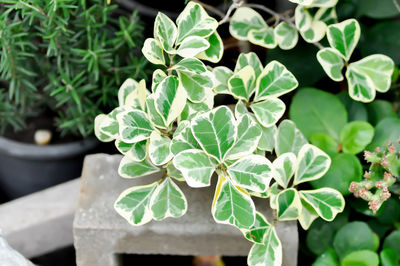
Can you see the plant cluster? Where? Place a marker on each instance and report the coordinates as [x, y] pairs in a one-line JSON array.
[[68, 57]]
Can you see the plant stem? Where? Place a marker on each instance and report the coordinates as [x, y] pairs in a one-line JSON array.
[[396, 4], [234, 5]]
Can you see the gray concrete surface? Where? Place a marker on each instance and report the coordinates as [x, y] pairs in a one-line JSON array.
[[41, 222], [100, 234]]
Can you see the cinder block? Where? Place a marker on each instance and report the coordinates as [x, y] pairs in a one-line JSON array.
[[100, 233]]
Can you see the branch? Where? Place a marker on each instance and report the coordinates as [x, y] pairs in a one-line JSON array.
[[236, 4], [396, 4]]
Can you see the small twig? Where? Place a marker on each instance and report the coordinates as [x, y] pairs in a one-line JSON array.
[[210, 8], [396, 4], [235, 5]]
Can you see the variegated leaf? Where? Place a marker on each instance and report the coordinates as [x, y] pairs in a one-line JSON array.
[[289, 205], [344, 37], [174, 173], [332, 62], [289, 138], [153, 51], [269, 111], [264, 37], [165, 31], [215, 51], [134, 126], [249, 59], [191, 46], [286, 36], [158, 76], [241, 83], [222, 75], [284, 166], [243, 21], [196, 85], [269, 253], [131, 169], [308, 214], [183, 139], [267, 140], [135, 151], [155, 118], [159, 152], [100, 134], [257, 232], [190, 65]]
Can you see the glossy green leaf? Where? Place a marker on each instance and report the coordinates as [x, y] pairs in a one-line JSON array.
[[275, 80], [312, 164], [386, 130], [328, 258], [196, 166], [264, 37], [269, 111], [191, 46], [222, 75], [389, 257], [159, 152], [215, 50], [326, 202], [133, 204], [355, 110], [361, 258], [355, 136], [134, 126], [285, 166], [232, 205], [165, 31], [379, 110], [289, 138], [268, 254], [345, 168], [153, 51], [316, 111], [289, 205], [253, 172], [129, 168], [286, 36], [194, 21], [325, 143], [332, 62], [392, 241], [167, 200], [183, 139], [243, 21], [215, 131], [258, 230], [344, 37]]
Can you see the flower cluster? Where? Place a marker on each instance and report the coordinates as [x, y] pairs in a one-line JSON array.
[[382, 174]]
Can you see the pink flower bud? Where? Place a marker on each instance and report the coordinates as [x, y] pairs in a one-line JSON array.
[[387, 176], [392, 149], [380, 184], [385, 194], [353, 187], [378, 149], [384, 162], [374, 205]]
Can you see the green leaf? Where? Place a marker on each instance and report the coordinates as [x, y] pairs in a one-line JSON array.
[[174, 173], [392, 241], [253, 172], [361, 258], [153, 51], [344, 37], [241, 83], [159, 152], [183, 139], [196, 167], [355, 136], [215, 131], [289, 205], [326, 202], [215, 51], [273, 197], [232, 205], [325, 143], [190, 65], [165, 31], [132, 169], [193, 45], [197, 86], [285, 166], [386, 130], [385, 9], [134, 126], [275, 80], [316, 111], [312, 29], [267, 140], [264, 37], [135, 151], [194, 21], [168, 201], [328, 258], [222, 75], [332, 62], [389, 257], [268, 254], [170, 99], [379, 110], [345, 168], [355, 110], [269, 111], [286, 36], [133, 204], [312, 164], [352, 237], [243, 21], [249, 59], [308, 214], [257, 232], [248, 136], [288, 138], [158, 76], [370, 74], [155, 118], [133, 94]]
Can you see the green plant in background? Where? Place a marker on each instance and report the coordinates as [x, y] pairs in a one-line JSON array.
[[68, 57], [175, 129]]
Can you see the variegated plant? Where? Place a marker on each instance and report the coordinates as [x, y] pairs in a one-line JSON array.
[[314, 19], [175, 128]]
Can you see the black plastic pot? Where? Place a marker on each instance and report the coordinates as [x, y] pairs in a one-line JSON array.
[[27, 168]]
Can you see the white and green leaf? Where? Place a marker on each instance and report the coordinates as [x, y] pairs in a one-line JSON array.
[[308, 214], [191, 46], [129, 168], [215, 51], [264, 37], [249, 59], [159, 151], [105, 135], [133, 94], [190, 65], [284, 166], [312, 164], [269, 253], [286, 36], [183, 139], [257, 232], [196, 85], [196, 167], [241, 83], [153, 51], [158, 76], [275, 80], [133, 204], [269, 111], [289, 205], [165, 32], [243, 21], [253, 172], [344, 37], [135, 151], [155, 118], [289, 138], [267, 140], [332, 63], [167, 200], [134, 126], [222, 75], [174, 173]]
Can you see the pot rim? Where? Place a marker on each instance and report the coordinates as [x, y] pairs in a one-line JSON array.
[[54, 151]]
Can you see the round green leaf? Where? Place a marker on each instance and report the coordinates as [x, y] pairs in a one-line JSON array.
[[328, 258], [389, 257], [361, 258], [355, 136], [379, 110], [392, 241], [325, 143], [386, 130], [355, 110]]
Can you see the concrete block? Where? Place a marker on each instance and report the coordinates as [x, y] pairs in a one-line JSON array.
[[100, 233], [41, 222]]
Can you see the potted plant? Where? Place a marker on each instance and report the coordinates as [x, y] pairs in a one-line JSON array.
[[174, 126], [60, 65]]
